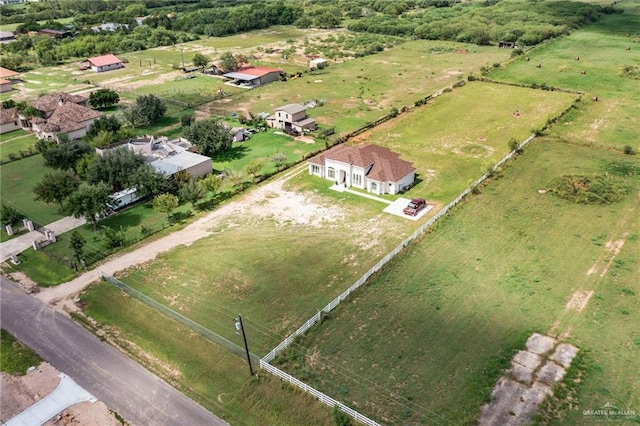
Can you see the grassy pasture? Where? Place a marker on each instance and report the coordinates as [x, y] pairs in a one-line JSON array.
[[452, 141], [209, 374], [16, 357], [497, 269], [364, 89], [261, 268], [612, 121]]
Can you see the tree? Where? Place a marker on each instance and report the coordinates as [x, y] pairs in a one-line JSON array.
[[132, 114], [254, 167], [90, 201], [165, 203], [76, 244], [187, 120], [115, 167], [151, 108], [103, 98], [200, 61], [64, 156], [209, 135], [9, 215], [56, 186], [229, 62], [279, 159], [148, 182], [211, 183], [192, 192], [114, 238]]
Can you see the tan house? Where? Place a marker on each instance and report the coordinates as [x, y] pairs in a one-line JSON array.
[[370, 167], [291, 117], [63, 114], [5, 86]]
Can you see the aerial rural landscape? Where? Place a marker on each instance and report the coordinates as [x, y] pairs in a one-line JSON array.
[[301, 212]]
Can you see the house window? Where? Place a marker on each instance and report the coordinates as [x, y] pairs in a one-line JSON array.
[[357, 179], [331, 173], [315, 169], [374, 187]]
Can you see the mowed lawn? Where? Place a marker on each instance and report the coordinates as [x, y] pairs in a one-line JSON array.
[[364, 89], [453, 140], [612, 120], [425, 341], [17, 180]]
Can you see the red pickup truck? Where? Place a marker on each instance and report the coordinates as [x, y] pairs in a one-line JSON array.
[[414, 206]]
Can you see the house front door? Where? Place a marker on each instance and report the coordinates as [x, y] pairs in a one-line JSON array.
[[342, 177]]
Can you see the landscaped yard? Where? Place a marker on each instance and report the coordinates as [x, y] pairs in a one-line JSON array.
[[16, 185], [14, 144]]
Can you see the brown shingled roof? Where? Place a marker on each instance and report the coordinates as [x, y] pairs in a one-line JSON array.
[[68, 117], [7, 115], [387, 165], [50, 102]]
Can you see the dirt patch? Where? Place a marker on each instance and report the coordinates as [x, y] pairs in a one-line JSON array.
[[579, 300], [21, 392], [26, 283]]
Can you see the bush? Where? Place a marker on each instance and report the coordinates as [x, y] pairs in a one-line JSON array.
[[114, 238], [628, 149], [600, 189]]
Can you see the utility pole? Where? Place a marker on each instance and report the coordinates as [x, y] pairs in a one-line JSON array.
[[240, 327]]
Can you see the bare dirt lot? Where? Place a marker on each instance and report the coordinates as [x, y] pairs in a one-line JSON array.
[[20, 392]]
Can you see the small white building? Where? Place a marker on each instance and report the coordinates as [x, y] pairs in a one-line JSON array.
[[370, 167], [318, 63], [105, 63], [9, 120]]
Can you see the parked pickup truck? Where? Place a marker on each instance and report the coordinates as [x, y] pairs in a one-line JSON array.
[[414, 206]]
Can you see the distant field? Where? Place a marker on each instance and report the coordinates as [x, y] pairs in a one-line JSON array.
[[364, 89], [452, 141], [612, 121], [496, 270]]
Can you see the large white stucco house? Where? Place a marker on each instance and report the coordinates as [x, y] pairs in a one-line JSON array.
[[167, 156], [370, 167]]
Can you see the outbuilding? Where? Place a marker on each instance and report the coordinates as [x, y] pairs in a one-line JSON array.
[[105, 63]]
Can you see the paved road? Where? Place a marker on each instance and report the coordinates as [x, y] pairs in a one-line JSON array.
[[137, 395]]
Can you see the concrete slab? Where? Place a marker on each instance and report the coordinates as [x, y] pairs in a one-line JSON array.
[[550, 373], [539, 344], [521, 373], [65, 395], [527, 359], [564, 354]]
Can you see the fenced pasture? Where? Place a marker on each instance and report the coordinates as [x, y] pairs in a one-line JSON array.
[[364, 89], [453, 141], [261, 267], [600, 51], [206, 372], [425, 341]]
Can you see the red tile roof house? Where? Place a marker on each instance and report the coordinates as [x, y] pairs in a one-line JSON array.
[[254, 76], [370, 167], [105, 63], [292, 116], [63, 114], [6, 75], [5, 86]]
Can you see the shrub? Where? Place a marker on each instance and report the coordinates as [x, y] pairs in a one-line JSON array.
[[628, 149], [600, 189]]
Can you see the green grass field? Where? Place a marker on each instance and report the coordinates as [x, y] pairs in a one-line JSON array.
[[364, 89], [209, 374], [451, 141], [17, 180], [13, 143], [15, 358], [493, 272]]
